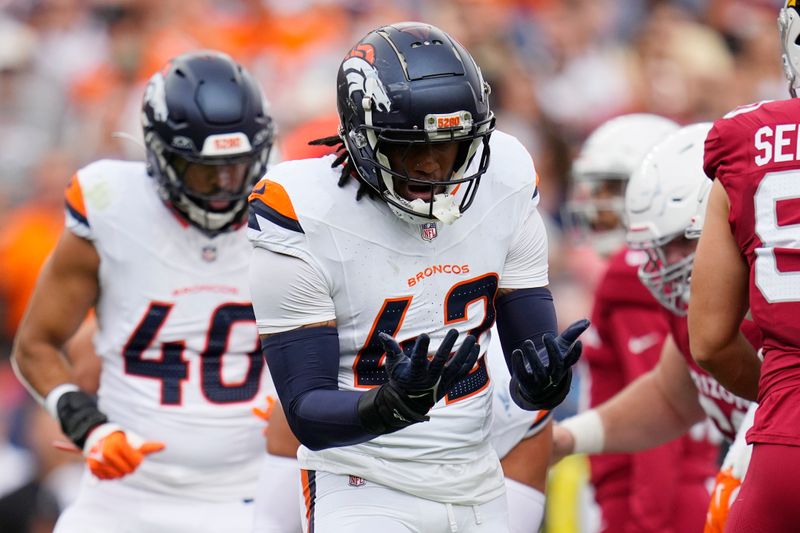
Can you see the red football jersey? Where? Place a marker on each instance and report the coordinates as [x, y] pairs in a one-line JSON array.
[[642, 491], [725, 409], [755, 154]]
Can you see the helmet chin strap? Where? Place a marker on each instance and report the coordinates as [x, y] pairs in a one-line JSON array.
[[444, 208]]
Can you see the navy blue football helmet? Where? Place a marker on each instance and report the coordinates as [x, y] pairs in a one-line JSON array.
[[208, 136], [407, 85]]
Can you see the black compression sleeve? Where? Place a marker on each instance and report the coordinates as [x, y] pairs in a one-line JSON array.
[[304, 364], [524, 314]]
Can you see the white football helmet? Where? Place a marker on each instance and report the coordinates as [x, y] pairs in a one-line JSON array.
[[666, 200], [606, 161], [789, 27]]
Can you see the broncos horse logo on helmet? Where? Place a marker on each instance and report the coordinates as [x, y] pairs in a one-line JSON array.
[[362, 76]]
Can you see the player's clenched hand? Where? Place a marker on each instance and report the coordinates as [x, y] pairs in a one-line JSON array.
[[415, 383], [112, 452], [541, 378]]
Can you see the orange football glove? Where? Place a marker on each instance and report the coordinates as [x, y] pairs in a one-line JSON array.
[[726, 488], [730, 476], [266, 413], [112, 452]]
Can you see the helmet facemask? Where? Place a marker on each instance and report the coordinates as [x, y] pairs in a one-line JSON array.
[[170, 169], [668, 282], [789, 28], [443, 205], [595, 212]]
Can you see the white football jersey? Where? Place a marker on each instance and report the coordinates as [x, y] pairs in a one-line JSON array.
[[386, 275], [176, 332]]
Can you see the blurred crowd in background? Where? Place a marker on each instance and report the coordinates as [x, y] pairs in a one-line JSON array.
[[72, 74]]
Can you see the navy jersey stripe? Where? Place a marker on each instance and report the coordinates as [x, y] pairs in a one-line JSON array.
[[76, 215]]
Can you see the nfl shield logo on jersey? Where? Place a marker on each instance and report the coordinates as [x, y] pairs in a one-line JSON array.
[[356, 481], [209, 253], [428, 231]]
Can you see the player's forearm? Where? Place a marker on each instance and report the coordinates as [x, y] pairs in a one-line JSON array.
[[528, 461], [39, 365], [719, 302], [640, 417], [734, 364]]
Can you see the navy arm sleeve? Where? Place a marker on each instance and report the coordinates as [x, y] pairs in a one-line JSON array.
[[524, 314], [304, 364]]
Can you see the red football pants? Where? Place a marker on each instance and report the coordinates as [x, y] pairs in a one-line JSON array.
[[768, 500]]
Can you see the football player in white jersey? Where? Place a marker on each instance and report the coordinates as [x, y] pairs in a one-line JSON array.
[[522, 440], [159, 250], [394, 440]]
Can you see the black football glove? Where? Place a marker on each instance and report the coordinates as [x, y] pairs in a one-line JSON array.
[[415, 383], [540, 379]]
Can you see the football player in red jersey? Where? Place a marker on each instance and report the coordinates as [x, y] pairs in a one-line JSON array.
[[635, 492], [661, 201], [665, 203], [747, 257]]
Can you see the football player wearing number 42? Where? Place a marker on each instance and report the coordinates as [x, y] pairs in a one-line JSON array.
[[747, 258], [159, 250], [376, 276]]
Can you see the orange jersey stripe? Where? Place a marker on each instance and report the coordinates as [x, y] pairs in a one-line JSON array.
[[274, 196], [306, 492], [74, 196]]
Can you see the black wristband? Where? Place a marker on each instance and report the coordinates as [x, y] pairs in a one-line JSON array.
[[78, 415], [383, 410], [548, 398]]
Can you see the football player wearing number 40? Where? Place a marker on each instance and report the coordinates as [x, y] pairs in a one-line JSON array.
[[159, 250], [376, 277], [747, 258]]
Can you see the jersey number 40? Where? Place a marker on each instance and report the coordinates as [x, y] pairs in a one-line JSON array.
[[172, 368]]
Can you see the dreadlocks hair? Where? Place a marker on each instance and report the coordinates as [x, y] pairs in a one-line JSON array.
[[348, 168]]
